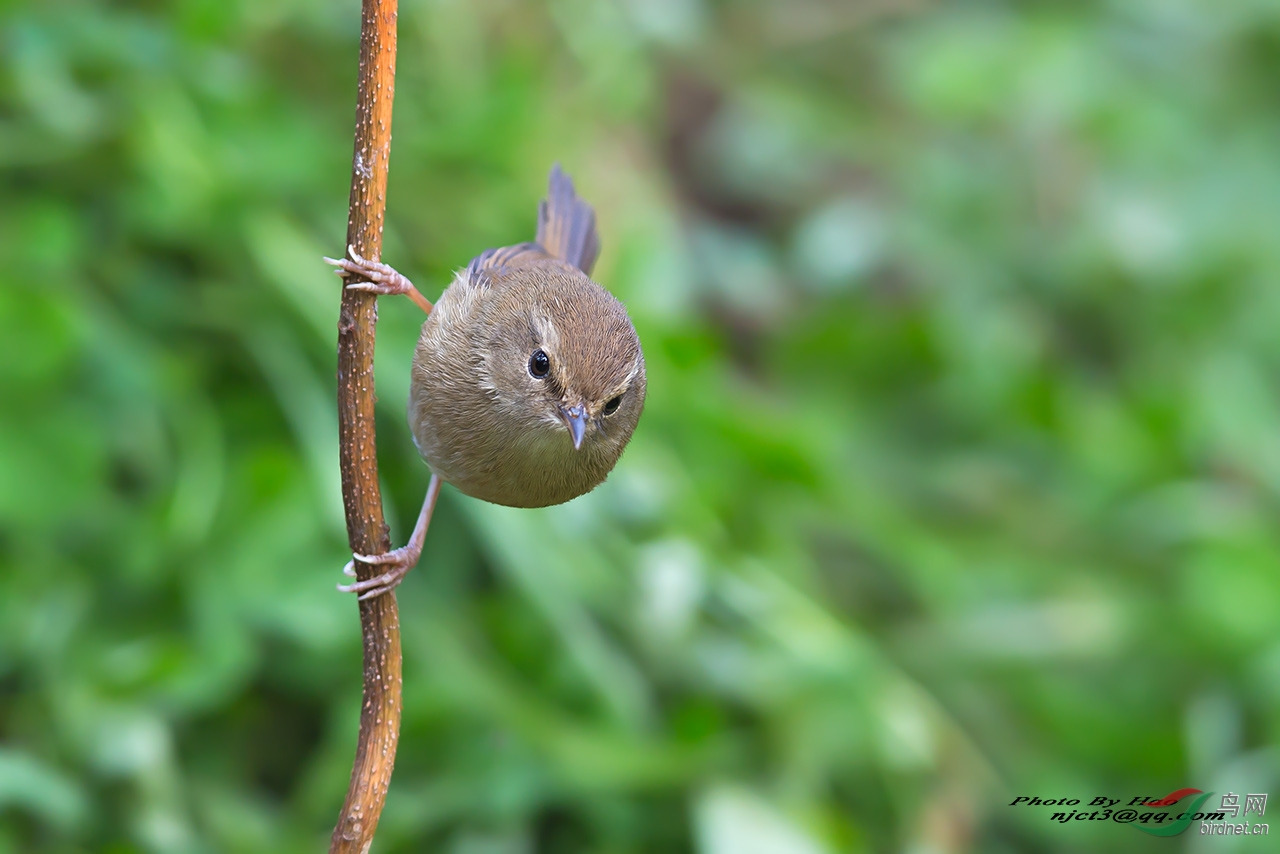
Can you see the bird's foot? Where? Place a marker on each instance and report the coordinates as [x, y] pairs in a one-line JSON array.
[[400, 561], [382, 278]]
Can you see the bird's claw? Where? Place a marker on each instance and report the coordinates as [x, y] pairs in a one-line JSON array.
[[402, 560], [383, 278]]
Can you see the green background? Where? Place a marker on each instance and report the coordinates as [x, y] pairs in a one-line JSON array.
[[958, 478]]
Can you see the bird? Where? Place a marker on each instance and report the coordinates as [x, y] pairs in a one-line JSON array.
[[528, 379]]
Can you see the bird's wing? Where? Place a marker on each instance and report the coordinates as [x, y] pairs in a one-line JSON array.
[[491, 265], [566, 234]]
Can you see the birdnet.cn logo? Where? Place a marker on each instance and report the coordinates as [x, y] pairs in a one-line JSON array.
[[1167, 816]]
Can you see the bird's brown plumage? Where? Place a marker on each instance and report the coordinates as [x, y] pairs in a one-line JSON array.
[[480, 417]]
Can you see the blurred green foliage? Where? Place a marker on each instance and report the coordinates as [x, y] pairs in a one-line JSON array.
[[958, 478]]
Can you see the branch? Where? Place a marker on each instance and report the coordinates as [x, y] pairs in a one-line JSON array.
[[366, 530]]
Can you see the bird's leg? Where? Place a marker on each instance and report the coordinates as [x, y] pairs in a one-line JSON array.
[[383, 279], [401, 560]]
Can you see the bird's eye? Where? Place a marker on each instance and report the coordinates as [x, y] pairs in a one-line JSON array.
[[613, 404], [539, 364]]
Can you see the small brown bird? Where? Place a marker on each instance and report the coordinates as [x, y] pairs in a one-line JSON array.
[[528, 379]]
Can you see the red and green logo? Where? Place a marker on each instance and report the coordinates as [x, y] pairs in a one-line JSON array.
[[1180, 823]]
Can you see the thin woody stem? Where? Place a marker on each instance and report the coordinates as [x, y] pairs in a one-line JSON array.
[[362, 499]]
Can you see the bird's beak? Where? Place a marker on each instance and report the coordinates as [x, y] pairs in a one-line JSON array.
[[575, 418]]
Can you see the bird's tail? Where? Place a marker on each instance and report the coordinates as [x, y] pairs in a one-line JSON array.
[[567, 224]]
